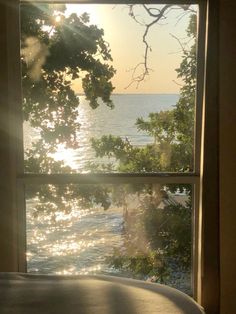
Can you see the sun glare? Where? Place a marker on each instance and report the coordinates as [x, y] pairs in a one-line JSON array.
[[66, 155], [58, 18]]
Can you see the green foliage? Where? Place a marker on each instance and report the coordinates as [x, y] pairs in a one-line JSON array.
[[172, 130], [53, 55], [127, 158], [157, 236]]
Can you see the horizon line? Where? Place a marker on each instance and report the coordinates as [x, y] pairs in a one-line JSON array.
[[114, 94]]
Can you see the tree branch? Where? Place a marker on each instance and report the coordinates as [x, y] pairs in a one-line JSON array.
[[179, 42], [157, 15]]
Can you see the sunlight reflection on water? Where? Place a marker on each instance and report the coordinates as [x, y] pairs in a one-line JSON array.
[[119, 121], [80, 242]]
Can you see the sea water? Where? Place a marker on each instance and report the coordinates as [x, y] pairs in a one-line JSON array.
[[80, 241]]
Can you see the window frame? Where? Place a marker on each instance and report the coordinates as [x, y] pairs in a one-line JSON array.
[[192, 178], [204, 165]]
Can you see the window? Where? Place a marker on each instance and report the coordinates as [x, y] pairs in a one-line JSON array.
[[111, 180], [165, 178], [149, 142]]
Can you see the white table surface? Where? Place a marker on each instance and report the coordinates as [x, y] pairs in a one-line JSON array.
[[43, 294]]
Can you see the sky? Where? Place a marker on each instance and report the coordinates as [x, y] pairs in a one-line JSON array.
[[125, 38]]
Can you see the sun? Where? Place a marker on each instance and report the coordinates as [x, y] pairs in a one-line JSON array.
[[58, 18]]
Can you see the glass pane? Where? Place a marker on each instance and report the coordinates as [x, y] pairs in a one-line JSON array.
[[138, 231], [99, 98]]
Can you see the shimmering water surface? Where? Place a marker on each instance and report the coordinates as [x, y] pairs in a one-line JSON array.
[[119, 121], [80, 241], [75, 243]]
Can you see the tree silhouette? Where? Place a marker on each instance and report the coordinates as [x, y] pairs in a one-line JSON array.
[[54, 53]]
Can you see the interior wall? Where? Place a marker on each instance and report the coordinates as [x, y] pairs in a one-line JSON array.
[[8, 216], [10, 135], [227, 94]]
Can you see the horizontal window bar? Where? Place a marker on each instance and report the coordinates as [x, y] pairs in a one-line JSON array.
[[89, 178]]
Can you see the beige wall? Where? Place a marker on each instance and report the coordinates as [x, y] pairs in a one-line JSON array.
[[227, 121]]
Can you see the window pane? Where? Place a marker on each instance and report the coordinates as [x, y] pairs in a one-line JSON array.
[[137, 231], [99, 98]]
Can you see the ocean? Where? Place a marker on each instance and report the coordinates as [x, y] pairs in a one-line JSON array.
[[82, 240], [119, 121]]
